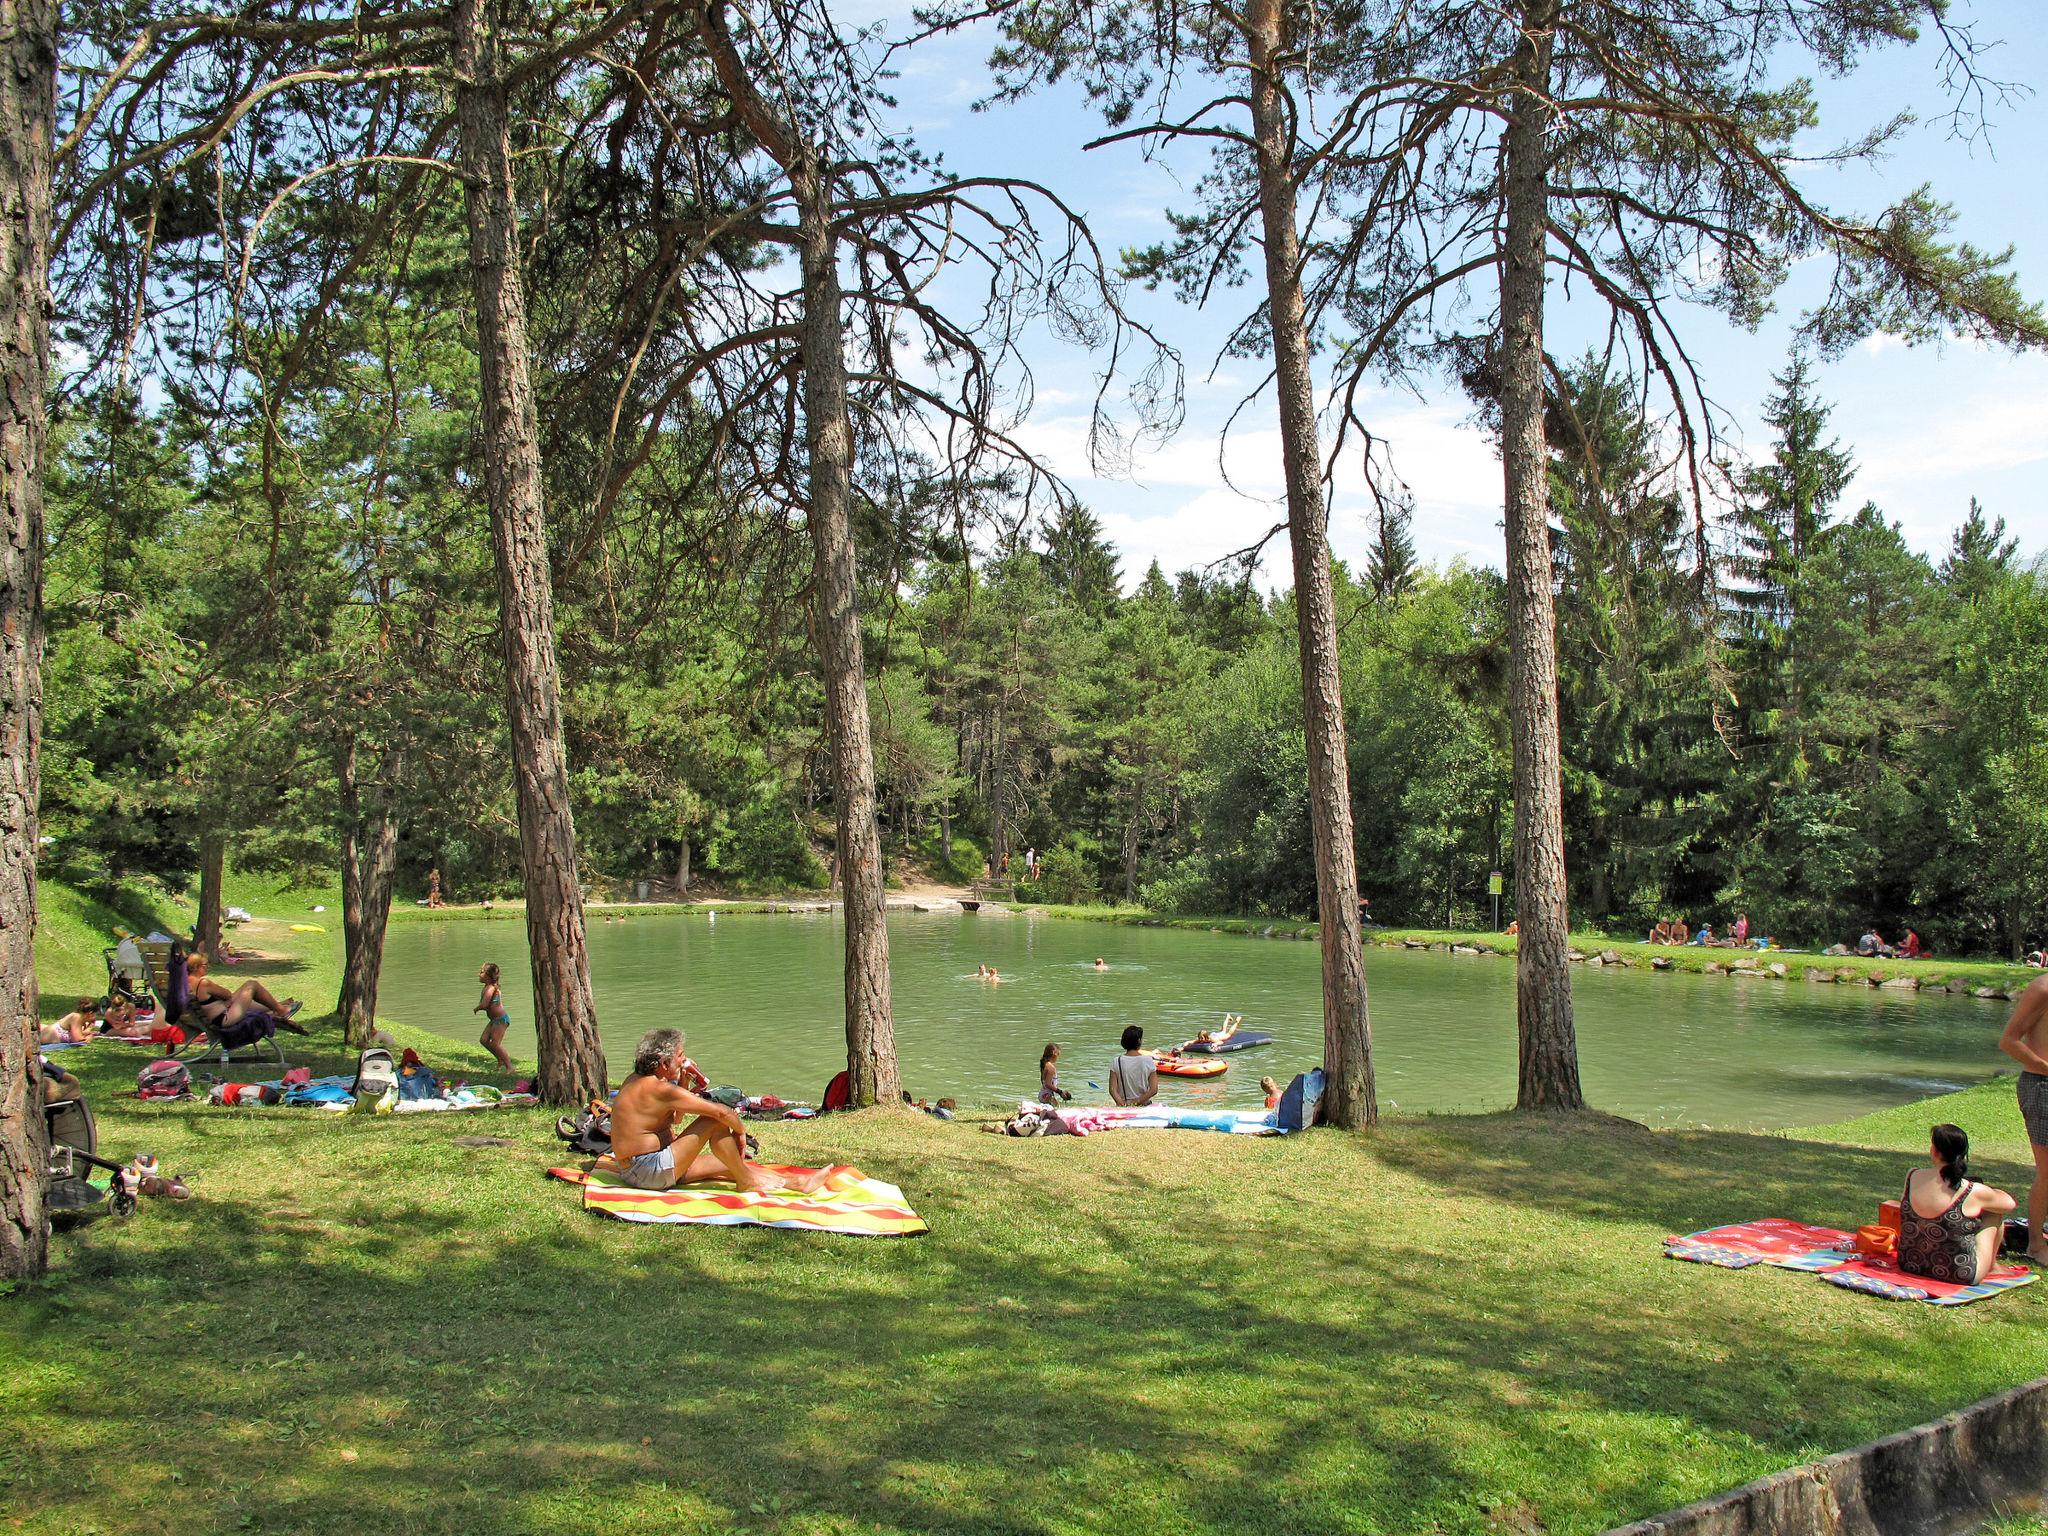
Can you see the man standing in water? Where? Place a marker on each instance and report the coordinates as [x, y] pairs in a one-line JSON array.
[[2026, 1041], [653, 1154]]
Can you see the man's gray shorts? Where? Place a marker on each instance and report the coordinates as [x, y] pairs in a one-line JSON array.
[[2034, 1107]]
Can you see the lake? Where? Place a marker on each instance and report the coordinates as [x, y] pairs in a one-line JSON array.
[[760, 998]]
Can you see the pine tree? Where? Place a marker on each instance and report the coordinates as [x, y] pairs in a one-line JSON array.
[[1391, 569], [1979, 553], [1080, 563]]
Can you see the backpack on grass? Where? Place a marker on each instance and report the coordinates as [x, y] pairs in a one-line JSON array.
[[165, 1079], [376, 1084]]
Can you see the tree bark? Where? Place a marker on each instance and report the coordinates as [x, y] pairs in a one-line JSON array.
[[213, 865], [369, 872], [835, 608], [28, 84], [1350, 1099], [572, 1064], [683, 869], [1549, 1076]]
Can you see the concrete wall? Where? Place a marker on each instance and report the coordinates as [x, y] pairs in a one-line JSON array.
[[1943, 1477]]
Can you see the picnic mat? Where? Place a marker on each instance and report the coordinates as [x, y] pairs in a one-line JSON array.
[[1881, 1277], [861, 1207], [1169, 1117], [1772, 1240], [1831, 1255]]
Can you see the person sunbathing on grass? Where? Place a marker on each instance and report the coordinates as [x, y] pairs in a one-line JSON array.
[[80, 1024], [653, 1154]]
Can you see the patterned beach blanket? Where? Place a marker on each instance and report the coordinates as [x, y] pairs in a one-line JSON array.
[[1881, 1277], [1771, 1240], [1831, 1255], [1170, 1117], [852, 1204]]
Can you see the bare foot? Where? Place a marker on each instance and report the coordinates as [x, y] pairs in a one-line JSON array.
[[2037, 1254], [767, 1182]]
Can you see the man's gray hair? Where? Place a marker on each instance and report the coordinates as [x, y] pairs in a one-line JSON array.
[[657, 1048]]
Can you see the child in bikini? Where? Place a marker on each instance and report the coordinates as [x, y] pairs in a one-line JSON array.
[[492, 1006]]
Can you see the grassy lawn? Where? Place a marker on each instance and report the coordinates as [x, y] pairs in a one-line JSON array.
[[1455, 1324]]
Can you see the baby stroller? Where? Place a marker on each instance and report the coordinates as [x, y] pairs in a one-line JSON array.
[[72, 1198]]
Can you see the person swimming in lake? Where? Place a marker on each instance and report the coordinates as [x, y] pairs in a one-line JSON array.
[[1101, 964], [496, 1020], [1950, 1225], [1049, 1089]]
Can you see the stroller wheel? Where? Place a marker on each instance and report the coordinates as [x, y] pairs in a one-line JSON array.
[[124, 1204]]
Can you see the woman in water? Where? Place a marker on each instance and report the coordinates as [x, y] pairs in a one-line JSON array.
[[496, 1020], [1049, 1089], [1949, 1225]]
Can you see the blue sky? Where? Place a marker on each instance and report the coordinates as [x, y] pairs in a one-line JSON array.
[[1929, 427]]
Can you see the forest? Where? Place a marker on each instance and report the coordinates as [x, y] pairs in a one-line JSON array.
[[1842, 738]]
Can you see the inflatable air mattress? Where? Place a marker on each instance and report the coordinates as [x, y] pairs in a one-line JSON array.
[[1244, 1039]]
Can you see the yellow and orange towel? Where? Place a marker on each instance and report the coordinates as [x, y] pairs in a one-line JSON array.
[[851, 1203]]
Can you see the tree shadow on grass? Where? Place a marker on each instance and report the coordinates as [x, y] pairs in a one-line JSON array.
[[1300, 1355]]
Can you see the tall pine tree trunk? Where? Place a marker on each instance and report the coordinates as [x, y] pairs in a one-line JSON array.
[[213, 868], [572, 1065], [835, 608], [1350, 1099], [1543, 982], [369, 871], [28, 85], [683, 869]]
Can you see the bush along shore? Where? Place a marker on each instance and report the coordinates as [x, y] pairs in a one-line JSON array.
[[1978, 977]]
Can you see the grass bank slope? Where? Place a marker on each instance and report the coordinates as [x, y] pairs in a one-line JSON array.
[[1452, 1325]]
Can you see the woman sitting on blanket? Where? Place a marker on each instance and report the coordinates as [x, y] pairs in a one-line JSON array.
[[1949, 1226]]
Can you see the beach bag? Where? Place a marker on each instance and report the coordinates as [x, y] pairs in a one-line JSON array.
[[165, 1079], [838, 1093], [587, 1133], [376, 1084], [1302, 1101], [1877, 1242], [416, 1080]]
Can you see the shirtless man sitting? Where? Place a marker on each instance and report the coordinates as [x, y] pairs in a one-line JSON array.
[[653, 1154], [2026, 1041]]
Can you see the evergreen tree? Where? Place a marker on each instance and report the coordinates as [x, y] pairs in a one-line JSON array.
[[1390, 565]]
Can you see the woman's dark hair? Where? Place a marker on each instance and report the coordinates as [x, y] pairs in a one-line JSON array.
[[1133, 1037], [1952, 1149], [1051, 1050]]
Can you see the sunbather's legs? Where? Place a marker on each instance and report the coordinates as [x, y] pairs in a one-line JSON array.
[[1987, 1248], [724, 1160], [2037, 1209], [253, 989]]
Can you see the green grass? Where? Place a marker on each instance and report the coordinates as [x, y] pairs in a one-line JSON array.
[[1452, 1325]]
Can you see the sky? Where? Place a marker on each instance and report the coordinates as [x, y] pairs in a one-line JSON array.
[[1928, 427]]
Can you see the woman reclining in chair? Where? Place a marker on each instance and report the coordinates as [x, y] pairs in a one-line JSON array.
[[240, 1017]]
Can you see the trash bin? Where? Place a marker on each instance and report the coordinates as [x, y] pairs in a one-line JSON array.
[[639, 890]]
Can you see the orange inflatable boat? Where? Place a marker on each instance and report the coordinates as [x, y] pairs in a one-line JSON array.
[[1209, 1067]]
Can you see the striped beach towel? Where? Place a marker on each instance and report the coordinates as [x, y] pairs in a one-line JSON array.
[[856, 1206], [1170, 1117], [1881, 1277]]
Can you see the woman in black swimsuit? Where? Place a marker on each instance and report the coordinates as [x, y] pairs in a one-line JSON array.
[[1949, 1225]]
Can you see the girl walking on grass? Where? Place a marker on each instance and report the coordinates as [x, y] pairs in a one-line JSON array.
[[492, 1006]]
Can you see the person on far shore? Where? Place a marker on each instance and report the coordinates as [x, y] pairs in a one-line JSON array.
[[1705, 937], [1134, 1076], [1950, 1225], [496, 1020], [1049, 1089], [1910, 947], [434, 887], [2026, 1041], [1741, 933]]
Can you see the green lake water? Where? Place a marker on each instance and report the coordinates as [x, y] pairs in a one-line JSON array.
[[760, 998]]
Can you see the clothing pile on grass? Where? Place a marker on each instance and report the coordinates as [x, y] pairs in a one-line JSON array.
[[380, 1085]]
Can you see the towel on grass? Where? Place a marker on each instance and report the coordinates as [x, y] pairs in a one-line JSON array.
[[861, 1207], [1772, 1240], [1169, 1117], [1831, 1255], [1882, 1277]]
